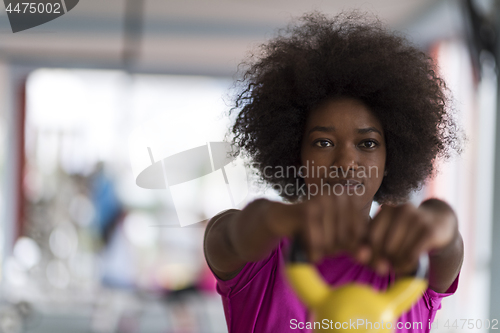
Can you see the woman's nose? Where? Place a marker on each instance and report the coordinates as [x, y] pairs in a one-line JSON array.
[[346, 158]]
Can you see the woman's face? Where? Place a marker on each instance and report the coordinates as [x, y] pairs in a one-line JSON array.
[[343, 151]]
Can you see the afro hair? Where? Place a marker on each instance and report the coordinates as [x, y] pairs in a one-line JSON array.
[[350, 55]]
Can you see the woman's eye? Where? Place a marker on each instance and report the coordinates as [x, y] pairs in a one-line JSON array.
[[369, 144], [323, 143]]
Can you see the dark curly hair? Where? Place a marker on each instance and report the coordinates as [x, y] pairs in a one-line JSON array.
[[350, 55]]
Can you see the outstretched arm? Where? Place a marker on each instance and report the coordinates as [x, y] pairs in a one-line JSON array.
[[240, 236], [445, 260]]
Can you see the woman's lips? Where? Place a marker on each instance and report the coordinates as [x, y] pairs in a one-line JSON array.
[[345, 182]]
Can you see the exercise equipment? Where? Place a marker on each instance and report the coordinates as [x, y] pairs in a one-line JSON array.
[[338, 308]]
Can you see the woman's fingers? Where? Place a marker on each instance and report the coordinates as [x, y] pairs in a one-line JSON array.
[[352, 224], [328, 224], [342, 220], [359, 228], [313, 232], [378, 229], [418, 244], [398, 236], [363, 254], [402, 226], [397, 253], [332, 224]]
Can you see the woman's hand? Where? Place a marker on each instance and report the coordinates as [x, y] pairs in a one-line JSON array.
[[398, 235], [326, 225]]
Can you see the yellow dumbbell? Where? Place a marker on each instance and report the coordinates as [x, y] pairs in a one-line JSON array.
[[354, 303]]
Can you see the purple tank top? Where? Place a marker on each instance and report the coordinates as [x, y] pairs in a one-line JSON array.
[[259, 299]]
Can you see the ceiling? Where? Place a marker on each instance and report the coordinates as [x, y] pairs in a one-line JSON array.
[[178, 36]]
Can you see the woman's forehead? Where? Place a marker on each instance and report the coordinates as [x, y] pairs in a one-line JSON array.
[[342, 112]]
